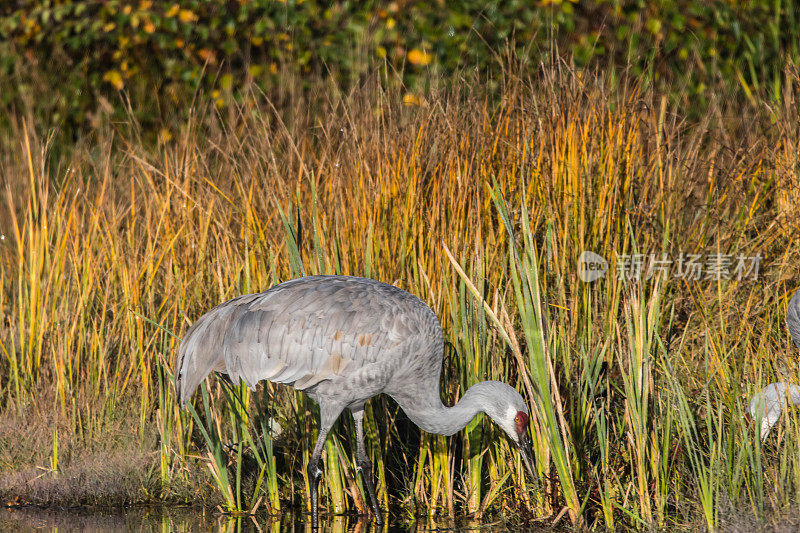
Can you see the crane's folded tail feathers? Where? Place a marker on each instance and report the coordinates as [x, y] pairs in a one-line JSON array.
[[194, 362], [793, 318], [179, 384], [190, 373]]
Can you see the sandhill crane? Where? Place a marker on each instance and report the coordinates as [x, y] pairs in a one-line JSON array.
[[768, 403], [343, 340]]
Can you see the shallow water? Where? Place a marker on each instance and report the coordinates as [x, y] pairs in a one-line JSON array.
[[189, 519]]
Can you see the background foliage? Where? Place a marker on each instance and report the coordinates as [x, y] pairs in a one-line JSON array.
[[64, 60]]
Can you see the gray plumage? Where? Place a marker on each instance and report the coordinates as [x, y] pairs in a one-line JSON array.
[[766, 405], [793, 318], [342, 340]]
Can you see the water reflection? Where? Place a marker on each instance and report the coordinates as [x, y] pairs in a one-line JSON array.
[[184, 519]]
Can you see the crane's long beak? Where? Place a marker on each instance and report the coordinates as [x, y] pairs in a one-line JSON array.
[[524, 447]]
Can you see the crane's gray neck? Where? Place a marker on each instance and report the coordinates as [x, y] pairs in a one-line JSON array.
[[431, 415]]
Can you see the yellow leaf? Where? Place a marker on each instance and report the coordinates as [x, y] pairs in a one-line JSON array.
[[418, 57], [164, 136], [390, 22], [149, 27], [225, 81], [257, 41], [184, 15], [411, 100], [114, 78], [173, 10]]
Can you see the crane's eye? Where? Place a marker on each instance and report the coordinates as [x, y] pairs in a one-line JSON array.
[[521, 421]]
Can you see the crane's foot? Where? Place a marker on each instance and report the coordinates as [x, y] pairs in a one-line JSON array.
[[365, 466], [314, 475]]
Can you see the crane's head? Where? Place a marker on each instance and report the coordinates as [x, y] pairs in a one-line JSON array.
[[506, 407]]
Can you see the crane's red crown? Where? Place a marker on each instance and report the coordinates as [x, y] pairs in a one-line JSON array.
[[521, 420]]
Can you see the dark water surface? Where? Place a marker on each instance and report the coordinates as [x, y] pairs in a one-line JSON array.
[[189, 519]]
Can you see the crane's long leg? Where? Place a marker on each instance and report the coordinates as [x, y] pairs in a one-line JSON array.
[[327, 416], [363, 463]]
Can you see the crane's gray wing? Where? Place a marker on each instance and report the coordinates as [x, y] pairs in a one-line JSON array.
[[793, 317], [298, 333]]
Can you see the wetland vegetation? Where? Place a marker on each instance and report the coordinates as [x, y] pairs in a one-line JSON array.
[[476, 190]]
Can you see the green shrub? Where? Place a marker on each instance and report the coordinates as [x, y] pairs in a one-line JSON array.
[[64, 60]]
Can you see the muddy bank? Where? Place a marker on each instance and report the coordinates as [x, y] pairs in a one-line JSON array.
[[43, 462]]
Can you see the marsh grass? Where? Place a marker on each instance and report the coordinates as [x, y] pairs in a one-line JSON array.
[[478, 204]]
